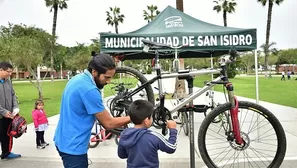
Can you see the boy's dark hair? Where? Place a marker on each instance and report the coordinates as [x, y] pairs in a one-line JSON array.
[[101, 63], [139, 110], [5, 65]]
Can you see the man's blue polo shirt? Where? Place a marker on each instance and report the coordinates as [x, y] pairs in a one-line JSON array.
[[81, 99]]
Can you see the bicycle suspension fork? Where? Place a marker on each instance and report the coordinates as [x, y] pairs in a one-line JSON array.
[[234, 113]]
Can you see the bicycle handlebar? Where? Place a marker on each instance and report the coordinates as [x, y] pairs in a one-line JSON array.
[[156, 45]]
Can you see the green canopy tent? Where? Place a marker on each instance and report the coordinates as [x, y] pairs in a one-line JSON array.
[[175, 28]]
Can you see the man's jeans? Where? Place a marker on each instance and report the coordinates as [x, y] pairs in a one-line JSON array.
[[74, 161]]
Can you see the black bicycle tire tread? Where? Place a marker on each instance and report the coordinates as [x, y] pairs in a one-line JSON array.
[[142, 79], [282, 143], [186, 122]]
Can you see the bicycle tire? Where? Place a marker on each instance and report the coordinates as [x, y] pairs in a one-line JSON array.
[[141, 78], [117, 139], [185, 123], [95, 143], [259, 150]]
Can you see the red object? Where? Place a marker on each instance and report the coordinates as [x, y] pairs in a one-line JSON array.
[[153, 62]]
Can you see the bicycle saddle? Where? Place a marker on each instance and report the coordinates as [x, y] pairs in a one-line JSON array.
[[154, 44]]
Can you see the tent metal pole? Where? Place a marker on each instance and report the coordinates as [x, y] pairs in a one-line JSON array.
[[257, 91], [191, 124], [257, 77], [211, 64]]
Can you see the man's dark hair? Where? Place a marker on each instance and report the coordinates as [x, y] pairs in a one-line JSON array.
[[5, 65], [139, 110], [101, 63]]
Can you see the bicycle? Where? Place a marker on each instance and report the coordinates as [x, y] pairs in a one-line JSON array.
[[245, 134], [99, 135]]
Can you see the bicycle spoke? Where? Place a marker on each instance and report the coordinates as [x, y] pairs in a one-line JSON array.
[[260, 139]]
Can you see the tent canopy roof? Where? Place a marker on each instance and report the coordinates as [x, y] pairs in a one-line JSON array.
[[175, 28]]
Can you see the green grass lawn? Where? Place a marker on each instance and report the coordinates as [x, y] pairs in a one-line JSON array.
[[271, 90], [27, 95]]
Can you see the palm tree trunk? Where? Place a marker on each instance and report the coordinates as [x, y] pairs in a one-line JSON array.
[[270, 5], [116, 29], [53, 38], [180, 5], [180, 88], [225, 18]]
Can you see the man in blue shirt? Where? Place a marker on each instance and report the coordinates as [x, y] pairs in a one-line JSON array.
[[81, 105]]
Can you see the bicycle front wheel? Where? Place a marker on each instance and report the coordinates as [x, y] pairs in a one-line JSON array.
[[264, 138]]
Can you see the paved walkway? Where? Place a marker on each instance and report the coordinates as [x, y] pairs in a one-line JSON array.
[[105, 154]]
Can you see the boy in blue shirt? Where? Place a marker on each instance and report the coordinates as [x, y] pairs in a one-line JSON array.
[[139, 145]]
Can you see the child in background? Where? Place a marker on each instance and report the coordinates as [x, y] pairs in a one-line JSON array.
[[40, 123], [139, 145]]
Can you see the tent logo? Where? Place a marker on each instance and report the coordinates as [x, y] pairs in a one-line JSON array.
[[173, 21]]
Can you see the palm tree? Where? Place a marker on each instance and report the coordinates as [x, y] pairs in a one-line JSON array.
[[270, 5], [270, 49], [115, 18], [180, 5], [149, 16], [55, 5], [227, 6], [180, 86]]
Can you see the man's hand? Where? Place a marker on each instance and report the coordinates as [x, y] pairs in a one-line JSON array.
[[171, 124], [9, 115]]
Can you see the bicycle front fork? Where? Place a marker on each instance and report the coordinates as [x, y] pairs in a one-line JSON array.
[[234, 114]]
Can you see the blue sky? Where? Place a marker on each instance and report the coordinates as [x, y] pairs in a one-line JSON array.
[[84, 19]]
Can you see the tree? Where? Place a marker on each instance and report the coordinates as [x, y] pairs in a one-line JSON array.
[[227, 6], [270, 6], [80, 57], [25, 46], [288, 56], [180, 86], [55, 5], [150, 14], [180, 5], [247, 61], [114, 17], [270, 50], [60, 58]]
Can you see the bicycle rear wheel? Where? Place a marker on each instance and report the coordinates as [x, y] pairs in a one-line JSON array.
[[264, 138], [94, 140], [125, 80], [185, 122]]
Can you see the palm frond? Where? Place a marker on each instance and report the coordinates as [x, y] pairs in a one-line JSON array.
[[217, 8], [263, 2]]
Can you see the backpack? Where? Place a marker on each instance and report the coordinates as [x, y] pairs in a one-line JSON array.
[[17, 127]]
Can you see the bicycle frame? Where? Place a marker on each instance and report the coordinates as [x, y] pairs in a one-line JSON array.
[[100, 132], [219, 80]]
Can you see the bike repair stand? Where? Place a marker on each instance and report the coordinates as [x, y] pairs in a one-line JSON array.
[[190, 80]]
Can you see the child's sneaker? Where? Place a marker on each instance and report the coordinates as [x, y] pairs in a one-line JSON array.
[[40, 147], [45, 144]]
